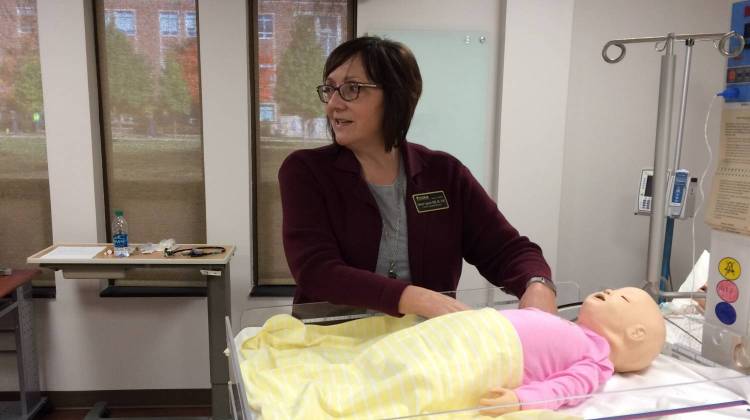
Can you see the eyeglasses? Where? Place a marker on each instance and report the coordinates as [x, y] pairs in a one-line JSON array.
[[348, 91]]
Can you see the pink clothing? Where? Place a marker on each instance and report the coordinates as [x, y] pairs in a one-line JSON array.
[[561, 359]]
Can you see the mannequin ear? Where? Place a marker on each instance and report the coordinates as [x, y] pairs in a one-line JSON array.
[[636, 332]]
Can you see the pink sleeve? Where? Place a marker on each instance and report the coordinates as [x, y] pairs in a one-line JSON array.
[[582, 378]]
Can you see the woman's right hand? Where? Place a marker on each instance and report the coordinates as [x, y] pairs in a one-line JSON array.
[[427, 303]]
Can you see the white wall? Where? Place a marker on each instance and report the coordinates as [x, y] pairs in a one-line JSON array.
[[446, 15], [610, 131], [225, 93], [532, 123]]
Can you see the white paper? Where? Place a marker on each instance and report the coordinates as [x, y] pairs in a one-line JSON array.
[[73, 253], [728, 206], [697, 277]]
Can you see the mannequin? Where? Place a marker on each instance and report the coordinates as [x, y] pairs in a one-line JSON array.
[[630, 322], [382, 366]]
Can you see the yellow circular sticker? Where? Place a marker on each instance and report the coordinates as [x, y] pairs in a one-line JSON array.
[[729, 268]]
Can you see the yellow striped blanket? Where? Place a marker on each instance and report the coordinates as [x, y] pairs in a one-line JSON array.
[[379, 367]]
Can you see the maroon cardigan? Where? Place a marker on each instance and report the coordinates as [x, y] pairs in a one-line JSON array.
[[332, 227]]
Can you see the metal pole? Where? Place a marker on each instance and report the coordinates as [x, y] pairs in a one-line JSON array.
[[683, 103], [663, 134], [663, 129], [219, 307]]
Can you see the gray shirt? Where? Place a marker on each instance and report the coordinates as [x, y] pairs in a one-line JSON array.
[[394, 247]]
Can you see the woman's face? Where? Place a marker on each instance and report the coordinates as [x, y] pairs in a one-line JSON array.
[[358, 123]]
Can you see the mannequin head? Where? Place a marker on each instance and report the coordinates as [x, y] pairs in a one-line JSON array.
[[630, 321]]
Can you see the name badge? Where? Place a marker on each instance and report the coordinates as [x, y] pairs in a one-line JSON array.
[[430, 201]]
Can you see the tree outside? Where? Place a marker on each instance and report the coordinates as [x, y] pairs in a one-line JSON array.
[[129, 78], [300, 72], [20, 73], [28, 91], [174, 96], [187, 56]]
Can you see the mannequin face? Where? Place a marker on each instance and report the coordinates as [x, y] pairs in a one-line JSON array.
[[631, 322]]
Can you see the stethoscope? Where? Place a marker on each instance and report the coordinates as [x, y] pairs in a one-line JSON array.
[[198, 251]]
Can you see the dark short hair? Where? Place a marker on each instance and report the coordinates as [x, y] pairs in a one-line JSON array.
[[391, 65]]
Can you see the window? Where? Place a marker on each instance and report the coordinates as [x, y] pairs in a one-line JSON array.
[[124, 20], [169, 23], [26, 19], [27, 10], [328, 29], [267, 81], [267, 112], [151, 132], [289, 114], [190, 27], [25, 220], [265, 26]]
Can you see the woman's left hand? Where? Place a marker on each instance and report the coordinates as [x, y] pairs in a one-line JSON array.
[[539, 296]]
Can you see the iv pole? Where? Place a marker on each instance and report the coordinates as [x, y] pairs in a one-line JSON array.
[[663, 132]]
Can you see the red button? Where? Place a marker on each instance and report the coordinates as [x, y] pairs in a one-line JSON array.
[[747, 11], [731, 75], [727, 291]]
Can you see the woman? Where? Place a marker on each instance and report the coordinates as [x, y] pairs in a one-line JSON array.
[[376, 222]]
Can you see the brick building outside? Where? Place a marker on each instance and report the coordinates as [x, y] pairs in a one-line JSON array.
[[154, 26]]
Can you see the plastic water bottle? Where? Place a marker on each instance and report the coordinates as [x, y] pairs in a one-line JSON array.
[[120, 235]]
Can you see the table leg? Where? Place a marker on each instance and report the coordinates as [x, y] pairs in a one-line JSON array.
[[219, 306], [28, 373]]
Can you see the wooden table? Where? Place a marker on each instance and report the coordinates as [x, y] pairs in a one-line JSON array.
[[214, 267], [16, 314]]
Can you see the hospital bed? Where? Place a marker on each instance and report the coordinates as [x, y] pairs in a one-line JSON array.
[[680, 383]]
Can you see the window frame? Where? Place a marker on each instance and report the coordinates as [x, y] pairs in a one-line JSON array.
[[176, 14], [25, 8], [256, 289], [114, 13], [195, 24], [319, 32], [272, 67], [267, 104], [268, 35], [28, 12]]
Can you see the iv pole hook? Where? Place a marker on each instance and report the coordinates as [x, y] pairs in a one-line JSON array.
[[722, 41]]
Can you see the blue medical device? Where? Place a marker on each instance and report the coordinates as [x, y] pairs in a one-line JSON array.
[[679, 193]]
